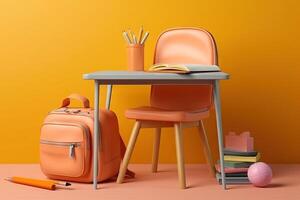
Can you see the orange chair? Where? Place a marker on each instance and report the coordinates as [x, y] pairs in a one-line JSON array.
[[177, 106]]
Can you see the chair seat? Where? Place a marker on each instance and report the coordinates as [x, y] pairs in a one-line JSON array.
[[155, 114]]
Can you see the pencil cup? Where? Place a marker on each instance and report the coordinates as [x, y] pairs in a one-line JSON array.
[[135, 57]]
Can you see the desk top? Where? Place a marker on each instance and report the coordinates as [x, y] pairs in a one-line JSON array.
[[139, 77]]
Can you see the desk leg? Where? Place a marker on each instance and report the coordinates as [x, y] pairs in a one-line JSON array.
[[217, 102], [96, 134], [108, 96]]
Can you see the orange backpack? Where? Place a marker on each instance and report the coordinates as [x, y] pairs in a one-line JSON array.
[[66, 143]]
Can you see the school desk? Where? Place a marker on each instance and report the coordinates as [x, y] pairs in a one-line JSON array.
[[111, 78]]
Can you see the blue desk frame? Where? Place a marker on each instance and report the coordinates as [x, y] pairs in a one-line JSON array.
[[111, 78]]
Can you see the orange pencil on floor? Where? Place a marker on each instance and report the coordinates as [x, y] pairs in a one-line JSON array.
[[45, 184]]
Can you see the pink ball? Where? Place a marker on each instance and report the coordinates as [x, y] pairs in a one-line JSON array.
[[260, 174]]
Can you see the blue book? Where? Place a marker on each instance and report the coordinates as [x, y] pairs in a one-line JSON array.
[[233, 180]]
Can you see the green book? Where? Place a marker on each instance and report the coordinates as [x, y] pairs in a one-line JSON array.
[[235, 164], [239, 153]]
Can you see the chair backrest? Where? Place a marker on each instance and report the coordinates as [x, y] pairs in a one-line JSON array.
[[184, 46]]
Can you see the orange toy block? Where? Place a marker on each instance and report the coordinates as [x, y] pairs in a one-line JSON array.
[[242, 142]]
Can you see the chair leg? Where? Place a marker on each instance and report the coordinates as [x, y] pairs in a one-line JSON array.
[[156, 149], [180, 156], [129, 150], [206, 147]]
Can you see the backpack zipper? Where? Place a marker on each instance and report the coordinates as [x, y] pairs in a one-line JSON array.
[[71, 146], [63, 112]]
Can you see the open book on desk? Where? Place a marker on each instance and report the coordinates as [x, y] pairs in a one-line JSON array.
[[183, 68]]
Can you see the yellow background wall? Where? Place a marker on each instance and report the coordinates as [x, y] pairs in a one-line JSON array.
[[46, 46]]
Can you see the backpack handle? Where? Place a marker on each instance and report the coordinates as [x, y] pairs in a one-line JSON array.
[[66, 101]]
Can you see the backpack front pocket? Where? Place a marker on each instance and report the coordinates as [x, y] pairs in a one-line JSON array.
[[64, 149]]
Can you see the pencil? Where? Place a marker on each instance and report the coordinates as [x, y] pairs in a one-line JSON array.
[[145, 37], [45, 184], [140, 35], [126, 37], [134, 39], [130, 35]]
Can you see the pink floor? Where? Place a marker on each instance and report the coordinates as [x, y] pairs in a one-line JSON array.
[[162, 185]]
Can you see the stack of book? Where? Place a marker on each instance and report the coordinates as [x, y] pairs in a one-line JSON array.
[[236, 165]]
